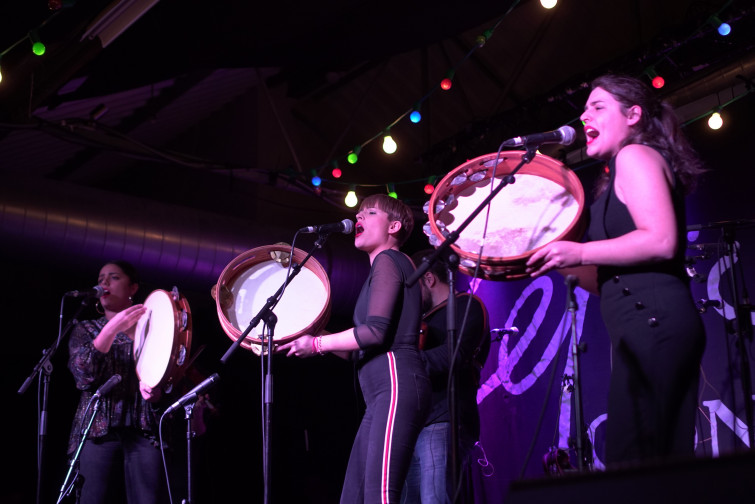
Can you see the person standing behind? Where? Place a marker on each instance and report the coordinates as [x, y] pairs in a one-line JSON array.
[[429, 479], [122, 447], [636, 240], [384, 344]]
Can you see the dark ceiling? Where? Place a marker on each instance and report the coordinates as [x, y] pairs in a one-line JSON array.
[[228, 107]]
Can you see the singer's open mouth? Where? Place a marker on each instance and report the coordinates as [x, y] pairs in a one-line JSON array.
[[591, 134], [358, 229]]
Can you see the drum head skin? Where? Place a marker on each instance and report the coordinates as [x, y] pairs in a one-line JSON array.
[[163, 338], [254, 276], [544, 204]]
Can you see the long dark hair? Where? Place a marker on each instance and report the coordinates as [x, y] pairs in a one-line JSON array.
[[658, 126]]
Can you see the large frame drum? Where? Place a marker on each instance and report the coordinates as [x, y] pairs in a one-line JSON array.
[[545, 204], [251, 278]]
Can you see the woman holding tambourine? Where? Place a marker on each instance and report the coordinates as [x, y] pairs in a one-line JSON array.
[[122, 448], [383, 344]]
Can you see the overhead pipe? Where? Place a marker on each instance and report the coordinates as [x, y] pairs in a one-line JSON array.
[[74, 225]]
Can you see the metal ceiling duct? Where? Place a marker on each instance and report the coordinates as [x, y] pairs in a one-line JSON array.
[[77, 226]]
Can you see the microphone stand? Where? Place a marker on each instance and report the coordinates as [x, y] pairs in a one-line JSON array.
[[270, 320], [742, 323], [451, 261], [75, 459], [190, 435], [583, 461], [442, 250], [742, 327], [454, 235], [44, 369]]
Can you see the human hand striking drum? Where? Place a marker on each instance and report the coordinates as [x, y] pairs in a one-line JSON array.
[[303, 346], [555, 255], [125, 321]]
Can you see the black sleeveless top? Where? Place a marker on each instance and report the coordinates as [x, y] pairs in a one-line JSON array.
[[610, 218]]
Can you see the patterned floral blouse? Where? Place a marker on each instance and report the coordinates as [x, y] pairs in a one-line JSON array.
[[124, 406]]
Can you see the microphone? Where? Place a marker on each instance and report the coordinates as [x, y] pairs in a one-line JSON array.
[[564, 135], [346, 226], [510, 331], [95, 292], [107, 386], [193, 394]]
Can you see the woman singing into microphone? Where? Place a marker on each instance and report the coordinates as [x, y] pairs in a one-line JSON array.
[[122, 443], [384, 345]]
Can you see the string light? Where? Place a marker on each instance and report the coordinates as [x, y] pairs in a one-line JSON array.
[[391, 189], [336, 171], [353, 156], [415, 115], [722, 28], [316, 180], [389, 144], [448, 82], [715, 121], [656, 80], [37, 47], [351, 199], [430, 186]]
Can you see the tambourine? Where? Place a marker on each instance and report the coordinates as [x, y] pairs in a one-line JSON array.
[[251, 278], [162, 341], [545, 204]]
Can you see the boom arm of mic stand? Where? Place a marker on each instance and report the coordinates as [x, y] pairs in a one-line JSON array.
[[44, 362], [454, 235]]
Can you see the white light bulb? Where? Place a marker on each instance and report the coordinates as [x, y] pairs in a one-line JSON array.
[[715, 121], [351, 199], [389, 144]]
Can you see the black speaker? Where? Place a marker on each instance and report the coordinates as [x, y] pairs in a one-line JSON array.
[[723, 480]]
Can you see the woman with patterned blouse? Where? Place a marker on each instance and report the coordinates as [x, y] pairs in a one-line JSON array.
[[120, 455]]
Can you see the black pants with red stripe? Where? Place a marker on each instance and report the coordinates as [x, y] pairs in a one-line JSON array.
[[397, 391]]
